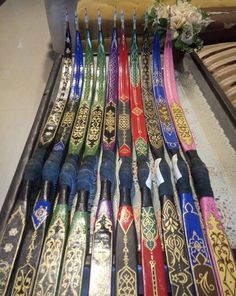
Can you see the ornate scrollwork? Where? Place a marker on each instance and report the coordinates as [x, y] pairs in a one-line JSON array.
[[223, 255], [9, 246], [79, 128], [181, 124], [149, 227], [48, 270], [94, 131], [71, 277], [127, 282], [141, 147], [109, 134], [54, 118], [101, 256], [152, 124], [178, 265], [198, 253]]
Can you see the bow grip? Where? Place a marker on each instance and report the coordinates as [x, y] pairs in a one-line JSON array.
[[34, 166], [181, 174], [107, 169], [86, 175], [143, 172], [200, 177], [52, 166], [69, 172], [125, 173], [163, 176]]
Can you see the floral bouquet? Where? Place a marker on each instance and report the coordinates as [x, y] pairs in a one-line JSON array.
[[186, 22]]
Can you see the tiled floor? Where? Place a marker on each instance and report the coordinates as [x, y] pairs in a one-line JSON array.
[[25, 63]]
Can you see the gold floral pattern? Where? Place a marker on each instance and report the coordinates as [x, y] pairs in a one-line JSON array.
[[223, 255], [176, 256], [49, 267], [181, 124], [72, 270]]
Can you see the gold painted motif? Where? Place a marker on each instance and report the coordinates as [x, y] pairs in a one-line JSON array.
[[13, 231], [149, 237], [202, 271], [67, 119], [151, 120], [177, 261], [223, 255], [149, 227], [110, 121], [79, 127], [101, 263], [154, 276], [141, 147], [23, 280], [25, 274], [137, 111], [49, 266], [72, 271], [124, 98], [127, 282], [181, 124], [109, 133], [103, 222], [31, 246], [164, 115], [126, 277], [5, 270], [54, 118], [124, 122], [124, 128], [9, 247], [93, 135]]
